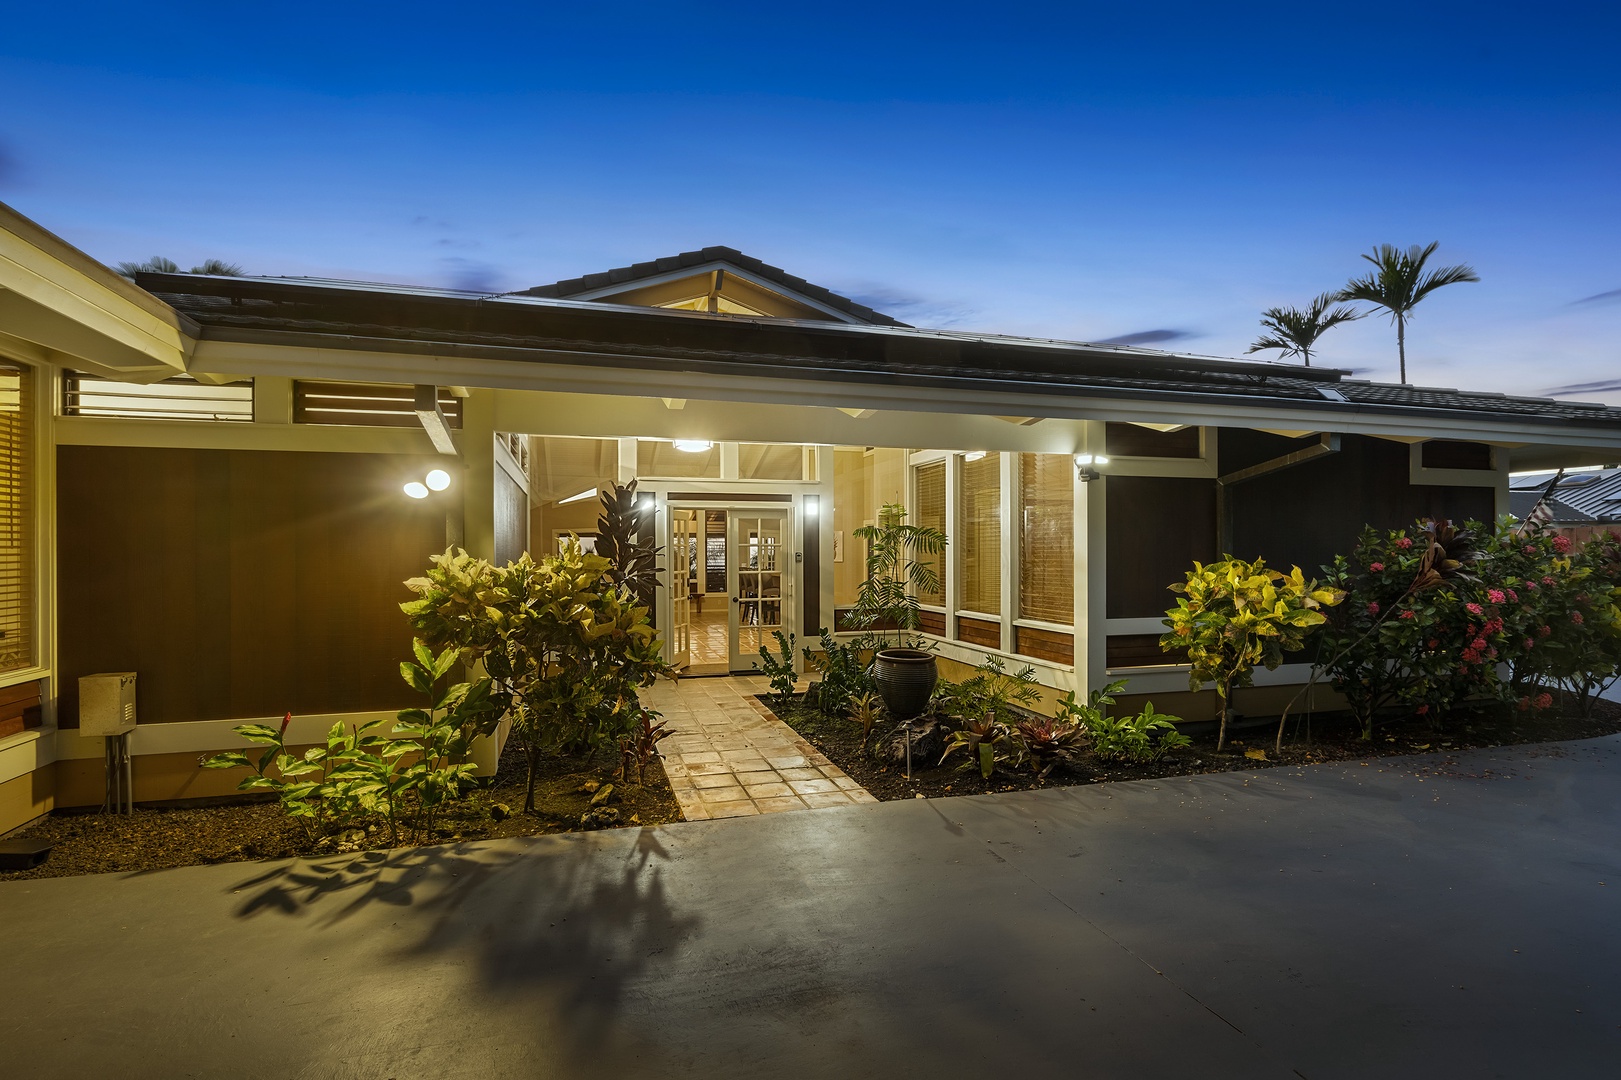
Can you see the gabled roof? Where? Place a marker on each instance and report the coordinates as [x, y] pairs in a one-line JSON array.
[[608, 283], [1580, 498]]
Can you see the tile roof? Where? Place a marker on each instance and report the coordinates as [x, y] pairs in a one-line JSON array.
[[629, 275]]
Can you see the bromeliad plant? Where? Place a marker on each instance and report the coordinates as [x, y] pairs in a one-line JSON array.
[[360, 778], [1235, 615], [1045, 742], [984, 739]]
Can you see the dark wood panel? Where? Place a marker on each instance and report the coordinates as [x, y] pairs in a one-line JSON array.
[[1157, 527], [1050, 645], [238, 583], [1139, 650], [811, 585], [1129, 440], [979, 632], [511, 519], [1447, 454], [933, 622], [19, 708]]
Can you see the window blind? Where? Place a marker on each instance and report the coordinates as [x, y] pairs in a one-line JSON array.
[[1047, 538], [981, 550], [16, 518], [931, 514]]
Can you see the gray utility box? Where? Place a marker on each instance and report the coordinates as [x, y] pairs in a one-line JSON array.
[[107, 703]]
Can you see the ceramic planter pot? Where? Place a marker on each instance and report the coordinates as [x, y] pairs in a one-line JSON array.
[[905, 679]]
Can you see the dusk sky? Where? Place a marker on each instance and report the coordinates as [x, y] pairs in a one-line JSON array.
[[1077, 172]]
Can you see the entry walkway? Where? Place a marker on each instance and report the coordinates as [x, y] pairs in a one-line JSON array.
[[732, 758]]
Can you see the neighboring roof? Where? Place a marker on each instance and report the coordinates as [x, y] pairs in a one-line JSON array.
[[694, 260], [1581, 498], [532, 330]]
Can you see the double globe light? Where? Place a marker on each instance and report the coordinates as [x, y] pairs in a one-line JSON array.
[[436, 480]]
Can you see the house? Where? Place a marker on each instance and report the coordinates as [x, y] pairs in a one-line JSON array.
[[1582, 504], [204, 481]]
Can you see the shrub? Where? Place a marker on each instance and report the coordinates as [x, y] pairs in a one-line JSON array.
[[779, 668], [639, 747], [899, 567], [989, 693], [1139, 738], [1235, 615], [841, 675]]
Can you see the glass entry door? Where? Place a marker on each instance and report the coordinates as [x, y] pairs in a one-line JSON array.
[[683, 563], [758, 579]]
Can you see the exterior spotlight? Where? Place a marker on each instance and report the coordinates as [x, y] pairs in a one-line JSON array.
[[416, 490], [1086, 466], [438, 480], [973, 455], [692, 446]]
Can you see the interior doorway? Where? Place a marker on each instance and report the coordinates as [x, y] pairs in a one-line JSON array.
[[734, 586]]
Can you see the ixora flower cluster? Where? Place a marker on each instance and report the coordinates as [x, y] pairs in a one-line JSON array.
[[1440, 615]]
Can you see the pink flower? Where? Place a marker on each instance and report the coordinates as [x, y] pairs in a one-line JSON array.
[[1530, 549], [1478, 643], [1474, 609], [1543, 631], [1471, 655], [1542, 701], [1549, 580], [1422, 709], [1514, 596], [1528, 643], [1576, 617], [1496, 596], [1408, 614], [1561, 544], [1373, 607], [1531, 585], [1376, 567], [1404, 543]]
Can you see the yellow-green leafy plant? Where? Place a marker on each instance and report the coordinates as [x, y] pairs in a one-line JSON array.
[[1235, 615], [865, 710]]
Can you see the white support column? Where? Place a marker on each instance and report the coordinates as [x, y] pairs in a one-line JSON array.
[[1091, 593], [953, 559], [728, 461], [272, 400], [1010, 546], [825, 488], [478, 475], [627, 461]]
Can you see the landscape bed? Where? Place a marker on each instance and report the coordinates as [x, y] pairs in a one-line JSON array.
[[1333, 738]]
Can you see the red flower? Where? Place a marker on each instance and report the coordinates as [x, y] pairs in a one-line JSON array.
[[1408, 614], [1549, 580], [288, 719], [1373, 607], [1474, 609], [1530, 549], [1543, 700], [1478, 643], [1543, 631], [1561, 544], [1422, 709], [1376, 567], [1528, 643], [1514, 596], [1404, 543], [1430, 644], [1471, 655], [1576, 617], [1496, 596]]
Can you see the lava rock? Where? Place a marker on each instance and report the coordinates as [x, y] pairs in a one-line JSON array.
[[928, 743], [500, 812], [603, 817]]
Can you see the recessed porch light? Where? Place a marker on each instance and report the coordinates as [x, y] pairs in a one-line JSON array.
[[438, 480], [416, 490], [692, 446]]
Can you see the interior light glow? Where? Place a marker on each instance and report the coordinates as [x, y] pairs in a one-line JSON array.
[[416, 490], [438, 480], [973, 455], [692, 446], [1090, 459], [581, 497]]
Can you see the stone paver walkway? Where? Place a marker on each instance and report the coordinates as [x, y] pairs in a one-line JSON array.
[[732, 758]]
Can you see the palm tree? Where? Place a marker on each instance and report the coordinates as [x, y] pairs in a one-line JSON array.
[[1295, 331], [157, 264], [1399, 283]]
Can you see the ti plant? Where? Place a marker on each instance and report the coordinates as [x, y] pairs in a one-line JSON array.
[[865, 710], [779, 667], [1235, 615], [624, 538], [983, 739], [639, 747]]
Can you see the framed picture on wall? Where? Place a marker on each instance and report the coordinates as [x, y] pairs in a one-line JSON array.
[[588, 541]]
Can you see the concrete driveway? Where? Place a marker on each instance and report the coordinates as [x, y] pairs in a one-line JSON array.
[[1395, 919]]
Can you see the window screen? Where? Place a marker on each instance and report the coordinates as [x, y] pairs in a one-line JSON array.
[[981, 542], [1047, 538], [931, 514]]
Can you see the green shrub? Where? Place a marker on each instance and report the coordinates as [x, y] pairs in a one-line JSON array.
[[1139, 738], [841, 674], [990, 693], [779, 668]]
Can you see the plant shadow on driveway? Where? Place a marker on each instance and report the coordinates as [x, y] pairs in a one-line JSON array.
[[573, 921]]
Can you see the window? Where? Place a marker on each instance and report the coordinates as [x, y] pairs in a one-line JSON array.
[[1047, 538], [16, 518], [365, 404], [981, 549], [931, 514], [180, 397]]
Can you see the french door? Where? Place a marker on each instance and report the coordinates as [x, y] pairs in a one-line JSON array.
[[681, 563], [759, 579]]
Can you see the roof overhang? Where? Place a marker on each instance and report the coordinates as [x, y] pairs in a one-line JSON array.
[[60, 306]]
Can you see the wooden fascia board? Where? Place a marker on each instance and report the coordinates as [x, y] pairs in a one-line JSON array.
[[79, 312], [586, 373]]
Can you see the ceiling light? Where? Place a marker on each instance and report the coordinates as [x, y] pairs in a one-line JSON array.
[[416, 490], [692, 446], [438, 479], [581, 497], [973, 455]]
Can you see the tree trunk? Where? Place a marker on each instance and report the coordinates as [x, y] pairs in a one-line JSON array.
[[1401, 345], [529, 797], [1221, 732]]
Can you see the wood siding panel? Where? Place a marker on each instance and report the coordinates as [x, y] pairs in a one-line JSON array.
[[1139, 650], [1447, 454], [1049, 645], [932, 622], [1129, 440], [1158, 526], [511, 519], [238, 583], [981, 632]]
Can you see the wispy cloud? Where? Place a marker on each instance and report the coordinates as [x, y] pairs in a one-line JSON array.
[[1149, 337], [910, 307], [1603, 386], [1611, 297], [470, 275]]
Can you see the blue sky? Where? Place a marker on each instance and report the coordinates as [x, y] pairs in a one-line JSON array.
[[1085, 172]]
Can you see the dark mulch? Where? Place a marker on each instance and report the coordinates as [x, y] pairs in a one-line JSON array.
[[157, 838], [1333, 737]]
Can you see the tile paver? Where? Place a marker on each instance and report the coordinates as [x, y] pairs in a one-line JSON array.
[[731, 758]]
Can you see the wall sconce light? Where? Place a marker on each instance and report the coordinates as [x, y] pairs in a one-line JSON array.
[[436, 480], [1086, 466]]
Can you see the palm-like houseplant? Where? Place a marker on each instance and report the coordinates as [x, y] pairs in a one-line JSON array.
[[1398, 283], [900, 566]]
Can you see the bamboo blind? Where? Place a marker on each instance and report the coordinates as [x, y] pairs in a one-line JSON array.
[[1047, 538], [16, 519], [982, 534], [931, 514]]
